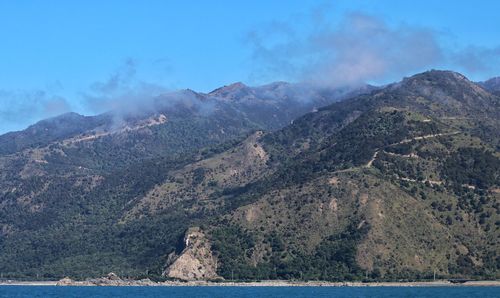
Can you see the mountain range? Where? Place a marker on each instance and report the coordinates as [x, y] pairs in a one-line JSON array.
[[282, 181]]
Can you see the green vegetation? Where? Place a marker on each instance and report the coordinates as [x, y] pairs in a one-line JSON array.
[[395, 184], [472, 166], [334, 259]]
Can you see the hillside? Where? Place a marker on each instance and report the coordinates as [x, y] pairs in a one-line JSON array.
[[492, 85], [385, 185], [397, 183], [75, 173]]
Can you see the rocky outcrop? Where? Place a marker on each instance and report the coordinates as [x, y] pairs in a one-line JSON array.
[[65, 282], [110, 280], [196, 261]]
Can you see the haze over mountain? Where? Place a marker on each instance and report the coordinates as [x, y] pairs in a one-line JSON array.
[[492, 85], [281, 181], [244, 108]]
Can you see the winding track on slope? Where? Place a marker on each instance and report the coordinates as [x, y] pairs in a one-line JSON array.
[[405, 141]]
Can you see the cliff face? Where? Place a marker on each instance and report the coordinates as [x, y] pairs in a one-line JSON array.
[[196, 261]]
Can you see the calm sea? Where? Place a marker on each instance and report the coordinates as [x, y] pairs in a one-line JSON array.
[[49, 291]]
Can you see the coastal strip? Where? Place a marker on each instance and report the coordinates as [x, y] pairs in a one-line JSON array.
[[265, 283]]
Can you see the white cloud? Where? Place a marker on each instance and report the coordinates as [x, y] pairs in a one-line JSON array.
[[18, 108], [359, 49]]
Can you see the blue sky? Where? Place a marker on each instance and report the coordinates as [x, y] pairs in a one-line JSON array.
[[55, 55]]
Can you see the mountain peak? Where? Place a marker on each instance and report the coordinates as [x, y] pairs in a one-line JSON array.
[[237, 85], [432, 75], [191, 92], [495, 80], [67, 116], [230, 89], [455, 83], [492, 85]]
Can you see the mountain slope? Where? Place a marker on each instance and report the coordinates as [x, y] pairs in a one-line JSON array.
[[398, 183], [74, 174], [366, 185], [492, 85]]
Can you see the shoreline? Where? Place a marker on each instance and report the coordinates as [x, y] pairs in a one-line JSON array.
[[265, 283]]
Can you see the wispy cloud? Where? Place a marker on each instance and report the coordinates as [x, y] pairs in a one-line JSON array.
[[17, 108], [125, 95], [477, 60], [122, 92], [359, 48]]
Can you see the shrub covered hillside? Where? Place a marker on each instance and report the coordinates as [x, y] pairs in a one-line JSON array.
[[398, 183]]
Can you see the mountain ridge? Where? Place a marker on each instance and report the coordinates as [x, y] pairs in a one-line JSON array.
[[493, 84], [398, 183]]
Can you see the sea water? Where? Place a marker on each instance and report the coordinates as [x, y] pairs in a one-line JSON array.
[[53, 291]]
